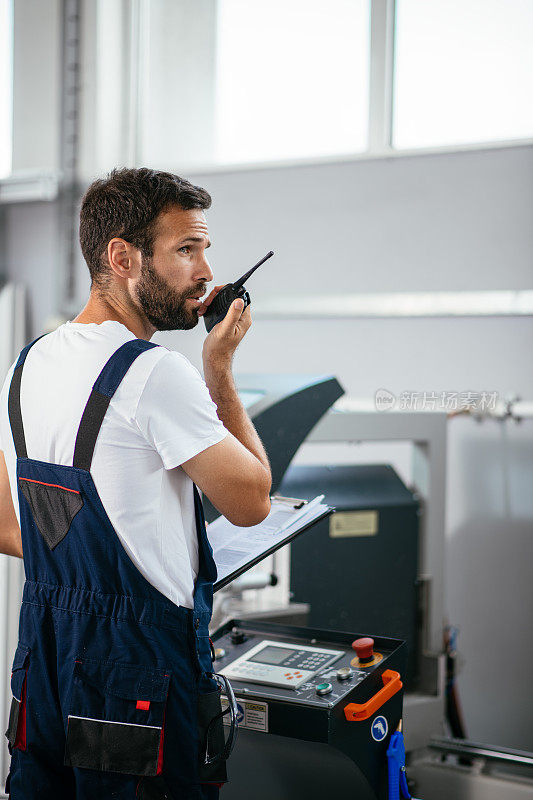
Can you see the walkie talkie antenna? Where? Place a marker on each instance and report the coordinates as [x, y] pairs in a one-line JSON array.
[[238, 283]]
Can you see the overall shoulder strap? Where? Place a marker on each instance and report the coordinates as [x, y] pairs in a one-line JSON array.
[[103, 390], [13, 402]]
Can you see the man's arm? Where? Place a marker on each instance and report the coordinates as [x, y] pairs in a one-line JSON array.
[[10, 539], [235, 473], [232, 413], [233, 480]]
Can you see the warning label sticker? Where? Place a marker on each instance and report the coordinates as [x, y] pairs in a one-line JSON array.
[[251, 715], [343, 524]]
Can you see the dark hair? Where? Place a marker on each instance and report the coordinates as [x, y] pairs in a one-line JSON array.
[[127, 203]]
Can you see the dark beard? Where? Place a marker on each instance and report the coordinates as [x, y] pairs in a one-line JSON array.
[[164, 307]]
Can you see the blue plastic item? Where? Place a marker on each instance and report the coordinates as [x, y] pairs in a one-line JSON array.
[[396, 763]]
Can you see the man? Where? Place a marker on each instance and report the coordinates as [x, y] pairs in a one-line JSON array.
[[103, 440]]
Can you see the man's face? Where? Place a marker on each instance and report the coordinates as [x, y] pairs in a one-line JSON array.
[[177, 272]]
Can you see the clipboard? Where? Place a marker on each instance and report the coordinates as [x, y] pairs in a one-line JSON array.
[[268, 551]]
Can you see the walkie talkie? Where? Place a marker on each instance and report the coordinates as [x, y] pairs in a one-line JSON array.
[[221, 303]]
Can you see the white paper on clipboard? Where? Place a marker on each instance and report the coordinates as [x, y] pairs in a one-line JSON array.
[[234, 547]]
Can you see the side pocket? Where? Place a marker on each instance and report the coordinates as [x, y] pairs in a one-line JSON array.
[[16, 729], [116, 718], [211, 739]]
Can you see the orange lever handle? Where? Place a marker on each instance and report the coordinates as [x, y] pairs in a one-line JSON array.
[[355, 712]]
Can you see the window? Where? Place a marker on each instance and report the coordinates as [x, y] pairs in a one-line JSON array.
[[463, 72], [207, 83], [6, 86], [291, 79]]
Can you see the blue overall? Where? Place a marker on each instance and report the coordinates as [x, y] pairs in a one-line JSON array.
[[113, 694]]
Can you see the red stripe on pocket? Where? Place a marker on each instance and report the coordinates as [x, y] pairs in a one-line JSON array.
[[20, 739], [160, 755], [54, 485]]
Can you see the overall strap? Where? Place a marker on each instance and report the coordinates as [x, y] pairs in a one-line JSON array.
[[13, 402], [103, 390]]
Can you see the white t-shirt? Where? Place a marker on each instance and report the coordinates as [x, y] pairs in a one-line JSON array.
[[160, 416]]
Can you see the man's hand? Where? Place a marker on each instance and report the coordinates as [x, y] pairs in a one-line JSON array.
[[224, 338], [235, 473], [10, 539]]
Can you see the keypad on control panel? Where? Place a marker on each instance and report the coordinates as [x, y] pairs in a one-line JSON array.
[[306, 660], [290, 672]]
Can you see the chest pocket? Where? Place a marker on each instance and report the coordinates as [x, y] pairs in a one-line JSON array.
[[116, 718], [53, 508]]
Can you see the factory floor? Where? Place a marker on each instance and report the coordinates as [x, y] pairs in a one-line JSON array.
[[444, 781]]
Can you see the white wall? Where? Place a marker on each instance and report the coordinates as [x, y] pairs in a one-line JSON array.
[[440, 222]]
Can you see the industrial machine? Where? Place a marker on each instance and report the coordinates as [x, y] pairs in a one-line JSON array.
[[373, 535], [316, 710], [290, 411]]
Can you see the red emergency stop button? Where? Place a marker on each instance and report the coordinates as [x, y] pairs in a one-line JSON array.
[[364, 649]]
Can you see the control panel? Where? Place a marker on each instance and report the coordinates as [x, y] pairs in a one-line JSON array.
[[277, 664], [302, 666], [315, 709]]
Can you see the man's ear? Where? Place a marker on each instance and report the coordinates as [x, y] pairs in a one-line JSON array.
[[123, 258]]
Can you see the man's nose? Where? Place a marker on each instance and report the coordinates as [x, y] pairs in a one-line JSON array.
[[204, 272]]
